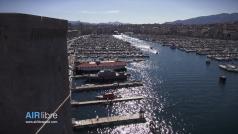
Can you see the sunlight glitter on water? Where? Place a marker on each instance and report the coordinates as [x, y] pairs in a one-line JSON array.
[[151, 104]]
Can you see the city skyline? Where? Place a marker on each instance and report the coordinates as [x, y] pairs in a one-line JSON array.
[[125, 11]]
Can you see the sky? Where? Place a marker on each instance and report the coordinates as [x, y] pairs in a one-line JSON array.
[[126, 11]]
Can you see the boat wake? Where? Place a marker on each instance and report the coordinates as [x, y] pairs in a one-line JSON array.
[[137, 43]]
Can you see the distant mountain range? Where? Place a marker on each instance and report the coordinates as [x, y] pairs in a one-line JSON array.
[[110, 23], [219, 18], [211, 19]]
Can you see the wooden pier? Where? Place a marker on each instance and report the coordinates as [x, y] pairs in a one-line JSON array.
[[91, 87], [97, 102], [113, 120]]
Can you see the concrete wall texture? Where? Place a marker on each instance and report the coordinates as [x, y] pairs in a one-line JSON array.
[[33, 73]]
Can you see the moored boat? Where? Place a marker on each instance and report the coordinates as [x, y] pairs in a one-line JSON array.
[[107, 96], [108, 75], [208, 61], [229, 67], [222, 79]]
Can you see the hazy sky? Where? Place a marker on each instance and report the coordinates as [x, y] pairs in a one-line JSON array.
[[131, 11]]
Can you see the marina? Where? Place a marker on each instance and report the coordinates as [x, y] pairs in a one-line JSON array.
[[155, 89], [217, 49], [100, 62], [103, 47], [119, 67]]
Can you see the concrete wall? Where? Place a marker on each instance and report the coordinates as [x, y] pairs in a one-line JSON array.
[[33, 72]]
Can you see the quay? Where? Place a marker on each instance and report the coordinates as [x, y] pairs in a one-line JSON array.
[[96, 102], [91, 87], [113, 120]]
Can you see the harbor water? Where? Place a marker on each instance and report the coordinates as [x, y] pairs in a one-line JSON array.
[[183, 95]]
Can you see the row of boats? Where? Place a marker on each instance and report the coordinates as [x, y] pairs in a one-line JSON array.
[[101, 47], [212, 48], [221, 50]]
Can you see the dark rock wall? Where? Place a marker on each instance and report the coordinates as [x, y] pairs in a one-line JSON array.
[[33, 72]]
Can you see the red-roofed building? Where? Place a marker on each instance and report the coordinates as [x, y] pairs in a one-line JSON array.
[[101, 65]]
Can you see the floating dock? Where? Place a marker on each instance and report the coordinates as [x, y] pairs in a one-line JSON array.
[[113, 120], [91, 87], [97, 102], [83, 76]]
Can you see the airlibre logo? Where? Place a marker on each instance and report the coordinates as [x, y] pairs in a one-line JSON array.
[[41, 117]]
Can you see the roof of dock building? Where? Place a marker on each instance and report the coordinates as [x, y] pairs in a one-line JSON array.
[[102, 64]]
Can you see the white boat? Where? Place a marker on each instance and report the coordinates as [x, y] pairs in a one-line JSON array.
[[229, 67], [107, 96]]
